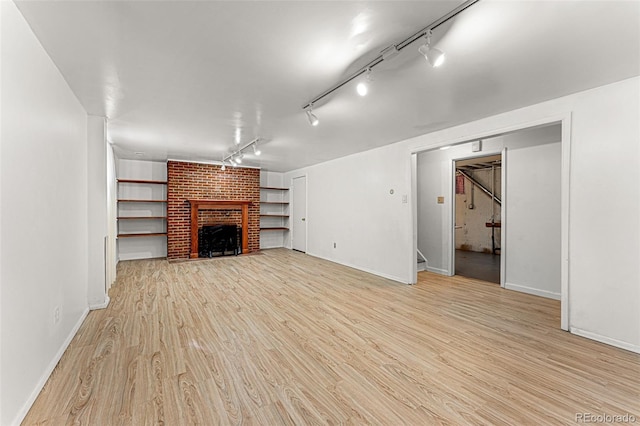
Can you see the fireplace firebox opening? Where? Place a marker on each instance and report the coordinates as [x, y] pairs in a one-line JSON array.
[[219, 240]]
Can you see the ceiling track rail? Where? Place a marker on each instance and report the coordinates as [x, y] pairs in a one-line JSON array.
[[394, 49]]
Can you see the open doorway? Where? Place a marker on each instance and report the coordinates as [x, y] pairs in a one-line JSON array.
[[534, 215], [477, 206], [531, 236]]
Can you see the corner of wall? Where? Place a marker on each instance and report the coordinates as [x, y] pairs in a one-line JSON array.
[[112, 210]]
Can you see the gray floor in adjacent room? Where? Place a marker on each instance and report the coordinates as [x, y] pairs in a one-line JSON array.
[[481, 266]]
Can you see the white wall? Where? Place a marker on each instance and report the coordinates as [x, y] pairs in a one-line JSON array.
[[434, 174], [141, 169], [43, 228], [604, 268], [349, 203], [97, 211], [272, 179], [2, 37], [532, 254], [145, 247]]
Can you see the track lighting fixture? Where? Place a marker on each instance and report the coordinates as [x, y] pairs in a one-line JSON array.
[[223, 167], [313, 120], [433, 55], [236, 156]]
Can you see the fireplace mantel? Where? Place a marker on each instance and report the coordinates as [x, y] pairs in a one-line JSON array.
[[197, 205]]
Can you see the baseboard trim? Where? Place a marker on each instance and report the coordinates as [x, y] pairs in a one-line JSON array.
[[139, 257], [271, 247], [102, 305], [438, 271], [421, 266], [606, 340], [360, 268], [533, 291], [47, 373]]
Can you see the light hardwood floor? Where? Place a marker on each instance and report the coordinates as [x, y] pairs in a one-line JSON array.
[[285, 338]]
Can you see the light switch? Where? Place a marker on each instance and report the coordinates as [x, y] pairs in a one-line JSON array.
[[440, 200], [404, 199]]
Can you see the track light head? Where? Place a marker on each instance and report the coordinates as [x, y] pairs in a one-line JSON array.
[[313, 120], [363, 87], [239, 159], [223, 167], [434, 56], [256, 150]]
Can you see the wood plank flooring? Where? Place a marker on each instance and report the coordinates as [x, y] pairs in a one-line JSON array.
[[285, 338]]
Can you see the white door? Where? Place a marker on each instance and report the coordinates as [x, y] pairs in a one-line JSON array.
[[299, 217]]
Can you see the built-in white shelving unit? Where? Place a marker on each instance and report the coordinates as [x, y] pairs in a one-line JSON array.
[[142, 210], [274, 212]]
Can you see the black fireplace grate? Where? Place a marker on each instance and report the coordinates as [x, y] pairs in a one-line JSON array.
[[219, 240]]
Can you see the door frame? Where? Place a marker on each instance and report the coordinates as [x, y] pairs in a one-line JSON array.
[[503, 210], [491, 131], [292, 209]]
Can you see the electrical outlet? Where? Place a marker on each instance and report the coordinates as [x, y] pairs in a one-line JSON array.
[[334, 245], [56, 314]]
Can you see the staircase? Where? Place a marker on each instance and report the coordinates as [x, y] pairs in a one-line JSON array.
[[422, 261], [422, 265]]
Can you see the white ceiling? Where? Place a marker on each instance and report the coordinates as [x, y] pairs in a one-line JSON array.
[[176, 79]]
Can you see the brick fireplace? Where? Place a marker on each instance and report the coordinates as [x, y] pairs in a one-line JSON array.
[[195, 181]]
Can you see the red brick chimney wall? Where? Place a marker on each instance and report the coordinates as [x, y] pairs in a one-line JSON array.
[[208, 182]]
